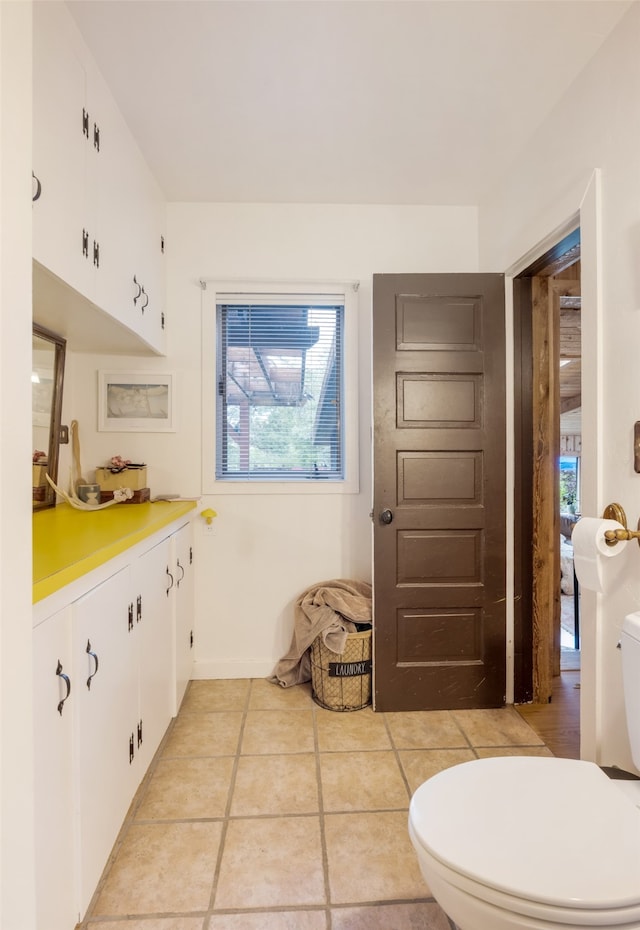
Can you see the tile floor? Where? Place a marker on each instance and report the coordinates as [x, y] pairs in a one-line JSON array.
[[263, 811]]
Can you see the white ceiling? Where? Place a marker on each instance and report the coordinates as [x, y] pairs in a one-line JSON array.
[[338, 101]]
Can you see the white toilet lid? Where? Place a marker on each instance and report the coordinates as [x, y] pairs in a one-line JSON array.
[[553, 831]]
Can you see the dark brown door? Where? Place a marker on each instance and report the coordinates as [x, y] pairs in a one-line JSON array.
[[439, 491]]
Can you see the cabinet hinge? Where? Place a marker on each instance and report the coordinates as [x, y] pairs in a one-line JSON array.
[[85, 123], [96, 137], [139, 608], [131, 749], [140, 734], [130, 618], [96, 253], [85, 243]]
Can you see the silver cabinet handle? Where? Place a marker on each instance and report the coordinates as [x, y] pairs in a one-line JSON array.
[[67, 681], [95, 659]]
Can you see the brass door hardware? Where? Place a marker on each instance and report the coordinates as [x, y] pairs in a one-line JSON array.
[[616, 512]]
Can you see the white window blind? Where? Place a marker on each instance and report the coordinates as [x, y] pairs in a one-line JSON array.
[[279, 380]]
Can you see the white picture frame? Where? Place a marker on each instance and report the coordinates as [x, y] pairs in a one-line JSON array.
[[136, 401]]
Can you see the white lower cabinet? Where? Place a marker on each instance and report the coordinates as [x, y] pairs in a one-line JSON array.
[[183, 611], [105, 677], [155, 658], [54, 694], [106, 686]]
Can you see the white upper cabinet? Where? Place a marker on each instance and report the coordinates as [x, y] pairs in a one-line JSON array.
[[98, 220], [59, 153]]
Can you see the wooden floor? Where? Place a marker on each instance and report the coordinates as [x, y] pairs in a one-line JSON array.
[[558, 723]]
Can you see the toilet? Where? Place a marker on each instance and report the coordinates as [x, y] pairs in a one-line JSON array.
[[535, 843]]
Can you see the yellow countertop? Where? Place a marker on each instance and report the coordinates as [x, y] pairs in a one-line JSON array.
[[68, 543]]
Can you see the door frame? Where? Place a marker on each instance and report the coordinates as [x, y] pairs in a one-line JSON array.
[[588, 217], [537, 447]]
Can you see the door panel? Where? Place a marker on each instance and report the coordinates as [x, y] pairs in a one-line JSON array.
[[439, 478]]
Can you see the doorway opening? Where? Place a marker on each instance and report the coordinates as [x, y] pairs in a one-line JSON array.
[[548, 402]]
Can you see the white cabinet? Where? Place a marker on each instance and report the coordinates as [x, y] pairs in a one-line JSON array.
[[106, 687], [60, 150], [105, 672], [183, 593], [155, 655], [98, 221], [54, 695]]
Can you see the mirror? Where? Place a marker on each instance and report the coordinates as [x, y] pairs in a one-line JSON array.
[[47, 376]]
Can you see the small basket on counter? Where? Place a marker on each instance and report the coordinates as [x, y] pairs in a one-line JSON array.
[[123, 474]]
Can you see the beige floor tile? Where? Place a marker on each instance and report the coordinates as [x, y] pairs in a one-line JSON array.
[[425, 916], [432, 729], [164, 867], [371, 858], [514, 751], [212, 734], [151, 923], [267, 696], [362, 781], [187, 788], [284, 784], [273, 920], [272, 862], [351, 731], [500, 727], [220, 694], [419, 765], [274, 731]]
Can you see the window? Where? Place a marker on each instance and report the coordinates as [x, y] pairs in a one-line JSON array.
[[283, 400], [569, 484]]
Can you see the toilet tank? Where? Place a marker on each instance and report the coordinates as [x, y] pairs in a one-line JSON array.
[[630, 645]]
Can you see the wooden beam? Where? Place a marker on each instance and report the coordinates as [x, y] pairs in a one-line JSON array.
[[546, 449], [567, 404]]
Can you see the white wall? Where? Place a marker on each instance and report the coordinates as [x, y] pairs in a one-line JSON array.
[[268, 549], [17, 894], [596, 126]]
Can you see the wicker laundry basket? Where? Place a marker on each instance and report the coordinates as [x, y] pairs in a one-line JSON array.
[[342, 681]]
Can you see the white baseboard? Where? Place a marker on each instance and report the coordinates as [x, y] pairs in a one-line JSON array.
[[231, 668]]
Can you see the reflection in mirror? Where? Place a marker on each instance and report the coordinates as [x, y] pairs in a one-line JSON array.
[[47, 376]]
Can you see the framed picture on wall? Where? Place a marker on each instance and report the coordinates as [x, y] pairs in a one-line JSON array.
[[136, 401]]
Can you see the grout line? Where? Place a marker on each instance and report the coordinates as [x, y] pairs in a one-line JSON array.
[[227, 813], [396, 753], [321, 817]]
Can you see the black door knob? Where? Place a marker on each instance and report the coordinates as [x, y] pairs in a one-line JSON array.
[[386, 517]]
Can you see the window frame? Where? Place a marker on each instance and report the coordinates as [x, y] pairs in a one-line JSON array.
[[215, 292]]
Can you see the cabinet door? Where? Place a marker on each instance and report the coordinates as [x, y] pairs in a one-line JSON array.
[[184, 611], [105, 656], [54, 696], [59, 151], [96, 222], [149, 256], [152, 583]]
